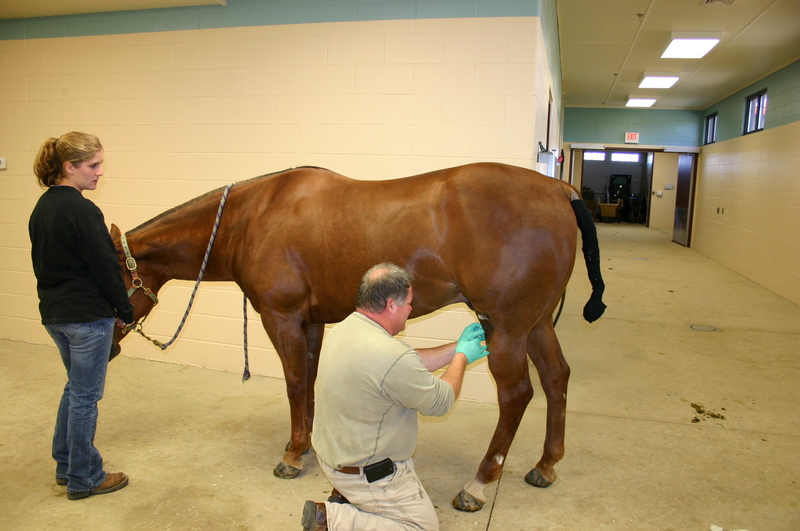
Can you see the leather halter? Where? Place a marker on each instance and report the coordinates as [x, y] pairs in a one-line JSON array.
[[136, 282]]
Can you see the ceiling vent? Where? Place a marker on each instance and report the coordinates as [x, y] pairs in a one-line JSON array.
[[716, 2]]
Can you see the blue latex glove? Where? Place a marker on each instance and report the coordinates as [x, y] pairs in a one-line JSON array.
[[470, 345], [473, 331]]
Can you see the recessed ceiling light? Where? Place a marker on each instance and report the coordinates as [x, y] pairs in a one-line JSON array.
[[690, 45], [637, 101], [652, 80]]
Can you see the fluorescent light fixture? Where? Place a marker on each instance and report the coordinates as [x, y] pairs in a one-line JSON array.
[[658, 81], [690, 45], [640, 101]]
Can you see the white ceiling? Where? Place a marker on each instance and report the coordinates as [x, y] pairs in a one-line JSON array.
[[607, 45]]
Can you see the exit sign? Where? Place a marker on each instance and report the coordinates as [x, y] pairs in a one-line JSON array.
[[631, 138]]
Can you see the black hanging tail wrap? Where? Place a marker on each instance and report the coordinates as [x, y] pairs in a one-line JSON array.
[[591, 254]]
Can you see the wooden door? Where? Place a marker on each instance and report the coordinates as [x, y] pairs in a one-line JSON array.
[[684, 198]]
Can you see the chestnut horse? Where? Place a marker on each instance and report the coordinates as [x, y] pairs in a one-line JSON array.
[[499, 238]]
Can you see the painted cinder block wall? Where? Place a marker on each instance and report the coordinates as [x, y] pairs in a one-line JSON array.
[[187, 100], [747, 212]]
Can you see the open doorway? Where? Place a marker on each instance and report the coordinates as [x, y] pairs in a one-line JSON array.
[[617, 177], [660, 185]]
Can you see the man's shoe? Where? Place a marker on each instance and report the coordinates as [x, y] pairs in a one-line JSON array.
[[112, 483], [337, 497], [315, 518], [61, 481]]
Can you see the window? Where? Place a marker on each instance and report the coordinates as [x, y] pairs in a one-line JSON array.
[[755, 113], [625, 157], [594, 155], [711, 129]]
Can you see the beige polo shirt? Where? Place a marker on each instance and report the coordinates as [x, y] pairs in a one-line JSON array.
[[370, 387]]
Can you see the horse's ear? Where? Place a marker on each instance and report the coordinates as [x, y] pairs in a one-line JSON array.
[[115, 232]]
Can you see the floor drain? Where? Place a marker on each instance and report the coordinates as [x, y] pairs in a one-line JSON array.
[[704, 328]]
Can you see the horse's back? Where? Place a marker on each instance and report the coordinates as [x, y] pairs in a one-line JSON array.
[[482, 188], [482, 203], [464, 232]]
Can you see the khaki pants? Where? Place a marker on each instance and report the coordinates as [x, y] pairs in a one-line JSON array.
[[398, 501]]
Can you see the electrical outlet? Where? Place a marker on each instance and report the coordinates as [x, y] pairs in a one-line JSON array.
[[2, 163]]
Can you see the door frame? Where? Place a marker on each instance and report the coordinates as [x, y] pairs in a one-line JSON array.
[[650, 154]]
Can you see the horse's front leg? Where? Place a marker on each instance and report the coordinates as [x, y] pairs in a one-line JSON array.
[[290, 341], [545, 352], [509, 368], [314, 342]]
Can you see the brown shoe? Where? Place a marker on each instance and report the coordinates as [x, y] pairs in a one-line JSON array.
[[315, 518], [113, 482]]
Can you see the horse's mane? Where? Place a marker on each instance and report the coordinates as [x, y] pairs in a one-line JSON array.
[[215, 191]]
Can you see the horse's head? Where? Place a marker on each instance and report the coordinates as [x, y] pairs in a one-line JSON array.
[[141, 281]]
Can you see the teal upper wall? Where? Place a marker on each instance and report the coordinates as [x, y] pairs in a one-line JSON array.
[[783, 103], [685, 128], [239, 13], [655, 127]]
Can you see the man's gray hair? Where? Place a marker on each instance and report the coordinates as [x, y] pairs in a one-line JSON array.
[[381, 283]]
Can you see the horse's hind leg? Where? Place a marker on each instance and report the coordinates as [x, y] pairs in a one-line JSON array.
[[545, 352], [509, 368]]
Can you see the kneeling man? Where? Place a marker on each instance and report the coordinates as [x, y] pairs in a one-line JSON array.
[[370, 387]]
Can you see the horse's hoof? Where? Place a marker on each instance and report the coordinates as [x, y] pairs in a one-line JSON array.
[[289, 445], [467, 502], [537, 479], [285, 471]]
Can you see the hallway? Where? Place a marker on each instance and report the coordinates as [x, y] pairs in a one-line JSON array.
[[668, 427]]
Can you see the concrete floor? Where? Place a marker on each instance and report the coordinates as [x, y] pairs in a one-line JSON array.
[[200, 446]]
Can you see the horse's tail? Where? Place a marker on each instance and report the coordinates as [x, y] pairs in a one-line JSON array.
[[591, 254]]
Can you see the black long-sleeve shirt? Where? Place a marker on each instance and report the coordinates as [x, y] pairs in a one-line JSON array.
[[77, 271]]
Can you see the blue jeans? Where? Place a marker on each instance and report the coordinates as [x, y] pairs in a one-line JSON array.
[[84, 349]]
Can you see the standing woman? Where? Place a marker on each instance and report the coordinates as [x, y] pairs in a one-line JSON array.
[[81, 297]]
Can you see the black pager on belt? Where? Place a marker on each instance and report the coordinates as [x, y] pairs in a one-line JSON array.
[[378, 470]]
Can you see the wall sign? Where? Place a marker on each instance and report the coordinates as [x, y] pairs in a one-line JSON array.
[[631, 138]]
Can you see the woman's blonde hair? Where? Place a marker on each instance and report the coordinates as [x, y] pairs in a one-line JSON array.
[[71, 147]]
